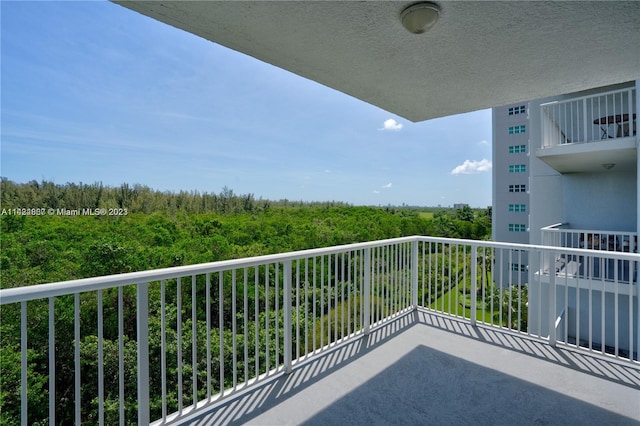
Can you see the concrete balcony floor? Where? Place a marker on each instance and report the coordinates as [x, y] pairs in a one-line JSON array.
[[422, 368]]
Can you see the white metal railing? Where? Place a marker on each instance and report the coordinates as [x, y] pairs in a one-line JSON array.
[[608, 115], [562, 235], [156, 346]]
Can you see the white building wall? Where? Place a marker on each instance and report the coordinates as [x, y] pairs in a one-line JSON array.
[[604, 200], [510, 222], [545, 184]]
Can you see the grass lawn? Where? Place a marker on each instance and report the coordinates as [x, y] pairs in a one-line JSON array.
[[425, 215], [457, 301]]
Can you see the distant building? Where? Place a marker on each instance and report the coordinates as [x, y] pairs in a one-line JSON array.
[[460, 206]]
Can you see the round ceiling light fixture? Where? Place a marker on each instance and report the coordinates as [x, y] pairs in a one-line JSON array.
[[420, 17]]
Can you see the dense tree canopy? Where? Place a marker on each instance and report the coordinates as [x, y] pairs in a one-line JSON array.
[[170, 229]]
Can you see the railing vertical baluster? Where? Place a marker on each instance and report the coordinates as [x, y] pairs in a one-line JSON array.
[[590, 316], [287, 315], [245, 331], [121, 356], [501, 273], [633, 270], [100, 360], [163, 348], [452, 252], [52, 363], [221, 330], [267, 319], [179, 340], [306, 305], [336, 285], [430, 274], [76, 356], [321, 301], [474, 283], [256, 319], [552, 299], [578, 321], [342, 304], [387, 282], [23, 365], [585, 121], [234, 329], [143, 353], [464, 277], [349, 291], [616, 308], [602, 303], [315, 283], [207, 296], [367, 290], [277, 317], [194, 342], [297, 298]]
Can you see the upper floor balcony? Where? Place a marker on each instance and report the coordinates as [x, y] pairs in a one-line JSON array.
[[603, 269], [401, 330], [588, 133]]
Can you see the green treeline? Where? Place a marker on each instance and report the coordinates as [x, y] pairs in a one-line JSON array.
[[49, 248]]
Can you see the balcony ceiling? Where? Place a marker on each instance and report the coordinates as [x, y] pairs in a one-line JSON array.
[[590, 157], [480, 54]]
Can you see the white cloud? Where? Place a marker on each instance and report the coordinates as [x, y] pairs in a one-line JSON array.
[[387, 186], [483, 142], [471, 167], [391, 124], [375, 191]]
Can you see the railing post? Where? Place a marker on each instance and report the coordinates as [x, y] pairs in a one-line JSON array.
[[414, 274], [367, 290], [552, 301], [143, 353], [474, 283], [585, 123], [287, 317]]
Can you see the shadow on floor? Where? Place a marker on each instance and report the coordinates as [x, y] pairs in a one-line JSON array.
[[620, 372], [427, 386]]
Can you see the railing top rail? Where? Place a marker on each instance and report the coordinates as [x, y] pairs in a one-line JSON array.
[[555, 228], [595, 95], [40, 291], [635, 257], [60, 288]]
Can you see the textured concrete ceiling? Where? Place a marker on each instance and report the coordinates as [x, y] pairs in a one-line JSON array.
[[480, 54]]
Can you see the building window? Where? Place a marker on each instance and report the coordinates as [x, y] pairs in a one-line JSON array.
[[518, 267], [517, 188], [517, 227], [517, 149], [518, 208], [517, 110], [515, 130], [517, 168]]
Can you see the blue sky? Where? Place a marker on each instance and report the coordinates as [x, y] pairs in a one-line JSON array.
[[92, 92]]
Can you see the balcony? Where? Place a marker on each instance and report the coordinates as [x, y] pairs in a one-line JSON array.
[[412, 325], [583, 134], [605, 269]]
